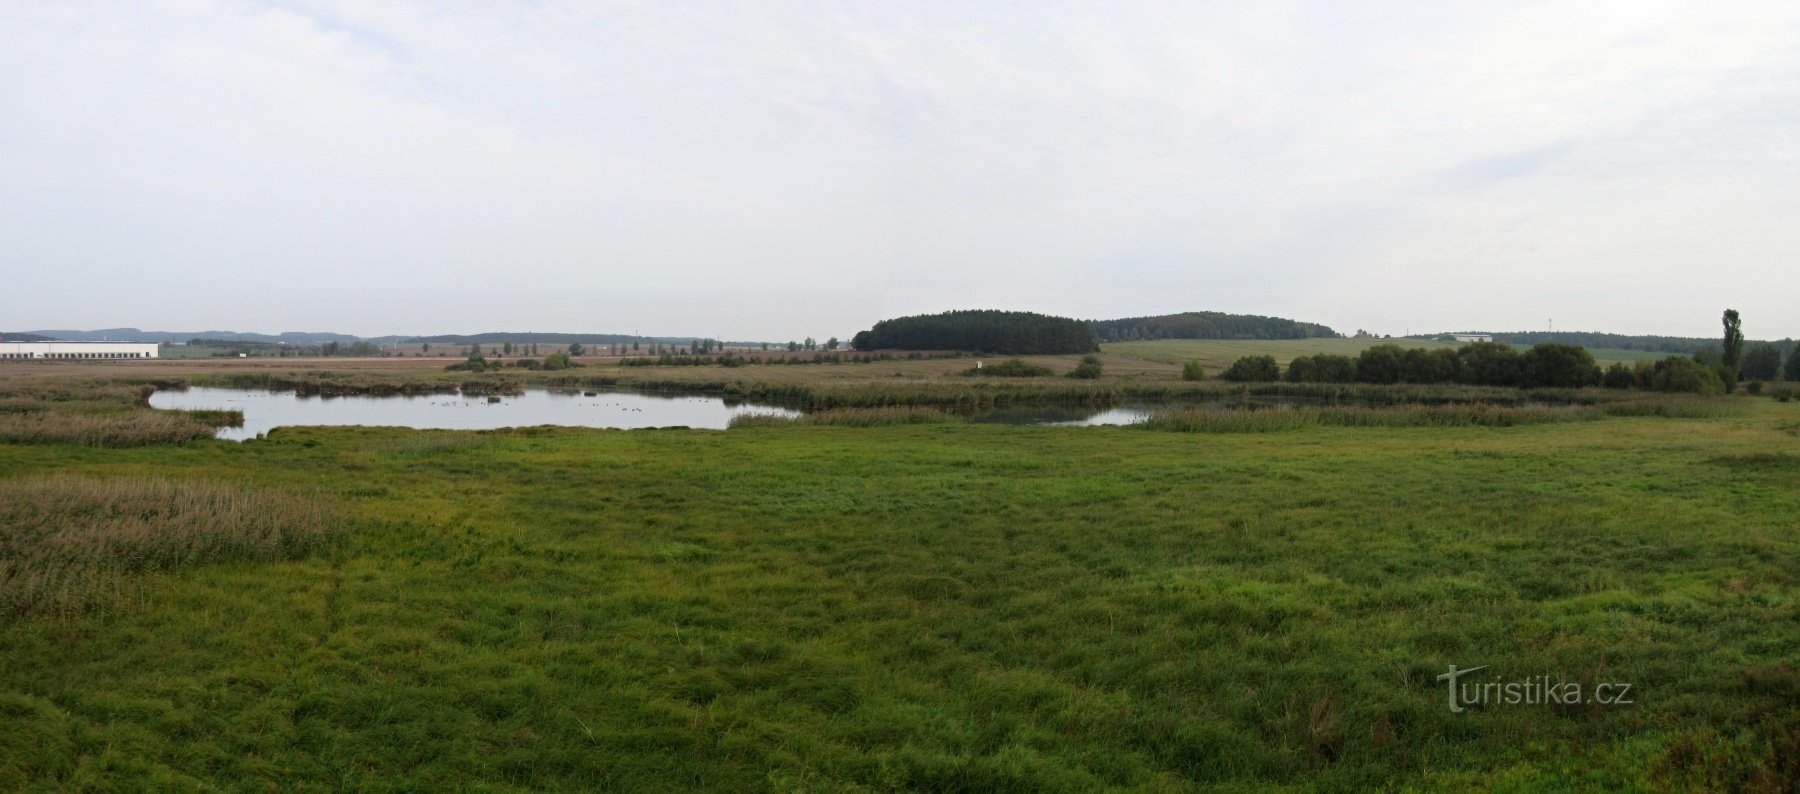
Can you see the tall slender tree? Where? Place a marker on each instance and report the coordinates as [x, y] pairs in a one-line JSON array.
[[1734, 340]]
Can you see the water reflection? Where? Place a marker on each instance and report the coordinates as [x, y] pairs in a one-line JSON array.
[[264, 410]]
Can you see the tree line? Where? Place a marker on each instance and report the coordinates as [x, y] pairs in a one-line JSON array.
[[986, 331], [1545, 365], [1206, 325]]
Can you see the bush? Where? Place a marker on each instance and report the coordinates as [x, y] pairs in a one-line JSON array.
[[1331, 368], [1619, 376], [1010, 368], [1380, 364], [1302, 370], [1420, 365], [1088, 369], [1253, 368], [1193, 370], [1489, 364], [1558, 366], [1684, 374]]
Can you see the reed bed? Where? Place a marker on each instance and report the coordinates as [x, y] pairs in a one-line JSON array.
[[1285, 418], [1676, 406], [325, 383], [70, 546], [116, 429], [850, 417], [973, 394]]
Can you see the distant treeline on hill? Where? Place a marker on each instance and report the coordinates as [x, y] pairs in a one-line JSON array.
[[160, 337], [1685, 345], [502, 337], [987, 331], [1207, 325]]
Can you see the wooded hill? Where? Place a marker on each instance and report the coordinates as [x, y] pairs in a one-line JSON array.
[[986, 331], [1206, 325]]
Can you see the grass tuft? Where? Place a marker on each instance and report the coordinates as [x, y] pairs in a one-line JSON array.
[[70, 546]]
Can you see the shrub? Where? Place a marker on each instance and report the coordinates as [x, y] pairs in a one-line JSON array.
[[1088, 369], [1558, 366], [1302, 370], [1684, 374], [1332, 368], [1253, 368], [1193, 370], [1380, 364], [1489, 364], [1420, 365], [1010, 368], [1619, 376]]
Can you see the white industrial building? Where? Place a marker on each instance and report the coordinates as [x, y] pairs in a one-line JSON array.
[[75, 350], [1473, 337]]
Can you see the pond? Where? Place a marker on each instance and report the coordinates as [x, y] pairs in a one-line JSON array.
[[265, 410]]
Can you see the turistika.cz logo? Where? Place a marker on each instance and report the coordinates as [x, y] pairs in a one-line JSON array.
[[1534, 690]]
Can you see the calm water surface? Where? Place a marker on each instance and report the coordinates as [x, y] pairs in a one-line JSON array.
[[265, 410]]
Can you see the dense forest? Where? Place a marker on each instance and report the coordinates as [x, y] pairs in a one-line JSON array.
[[1206, 325], [1010, 333]]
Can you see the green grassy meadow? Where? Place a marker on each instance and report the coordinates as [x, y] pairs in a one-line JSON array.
[[946, 607]]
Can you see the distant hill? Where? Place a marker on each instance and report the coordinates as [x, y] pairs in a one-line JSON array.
[[987, 331], [322, 337], [1207, 325], [135, 335], [502, 337]]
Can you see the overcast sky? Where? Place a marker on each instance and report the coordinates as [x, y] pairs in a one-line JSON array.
[[772, 170]]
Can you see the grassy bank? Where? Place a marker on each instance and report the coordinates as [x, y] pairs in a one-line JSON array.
[[948, 607]]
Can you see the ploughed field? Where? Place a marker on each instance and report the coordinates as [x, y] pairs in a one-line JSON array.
[[929, 606]]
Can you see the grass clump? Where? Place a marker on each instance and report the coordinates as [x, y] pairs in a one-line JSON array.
[[99, 414], [132, 429], [849, 417], [69, 546]]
